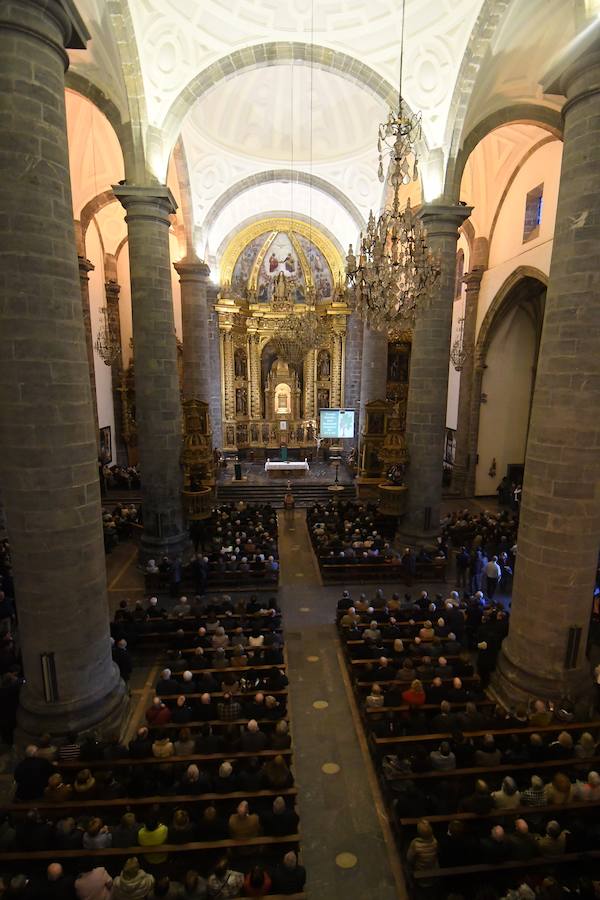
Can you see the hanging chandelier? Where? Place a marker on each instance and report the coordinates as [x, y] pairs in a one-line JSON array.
[[298, 334], [107, 346], [395, 270], [458, 352]]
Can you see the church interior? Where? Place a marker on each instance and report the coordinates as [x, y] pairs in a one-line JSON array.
[[300, 449]]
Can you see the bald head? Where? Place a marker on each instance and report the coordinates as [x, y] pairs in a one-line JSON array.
[[54, 871]]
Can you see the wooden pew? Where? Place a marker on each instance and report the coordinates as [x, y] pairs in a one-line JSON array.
[[93, 764], [503, 769], [517, 812], [194, 847], [497, 869], [171, 800], [529, 729]]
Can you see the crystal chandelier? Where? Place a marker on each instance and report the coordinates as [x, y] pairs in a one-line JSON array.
[[296, 335], [107, 346], [395, 270], [458, 352]]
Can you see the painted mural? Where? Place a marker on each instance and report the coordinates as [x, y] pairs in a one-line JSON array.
[[321, 273], [281, 257]]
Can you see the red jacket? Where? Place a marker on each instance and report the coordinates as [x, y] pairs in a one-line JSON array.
[[158, 715]]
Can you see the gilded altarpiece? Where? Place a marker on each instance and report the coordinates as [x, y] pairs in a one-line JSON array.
[[273, 269]]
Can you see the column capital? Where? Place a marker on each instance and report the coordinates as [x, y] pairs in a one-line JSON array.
[[85, 266], [191, 268], [472, 279], [57, 23], [154, 202], [443, 218], [112, 289], [580, 56]]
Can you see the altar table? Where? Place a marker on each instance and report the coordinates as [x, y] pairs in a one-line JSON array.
[[286, 469]]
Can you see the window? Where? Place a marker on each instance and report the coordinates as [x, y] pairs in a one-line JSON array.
[[460, 271], [533, 213]]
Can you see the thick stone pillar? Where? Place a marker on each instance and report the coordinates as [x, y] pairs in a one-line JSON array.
[[254, 362], [428, 385], [373, 377], [85, 267], [308, 378], [193, 277], [463, 463], [353, 361], [157, 392], [559, 530], [48, 459]]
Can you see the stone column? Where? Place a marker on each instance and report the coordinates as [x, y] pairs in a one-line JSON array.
[[373, 377], [228, 372], [193, 276], [336, 369], [157, 393], [479, 368], [112, 291], [214, 348], [559, 530], [428, 384], [85, 267], [254, 362], [48, 458], [464, 465], [353, 361]]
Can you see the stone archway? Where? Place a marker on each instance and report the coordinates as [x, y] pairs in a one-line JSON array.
[[272, 54], [511, 333]]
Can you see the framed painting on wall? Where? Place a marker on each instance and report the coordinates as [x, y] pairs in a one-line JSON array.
[[105, 444]]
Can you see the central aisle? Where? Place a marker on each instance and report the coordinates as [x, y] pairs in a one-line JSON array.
[[343, 844]]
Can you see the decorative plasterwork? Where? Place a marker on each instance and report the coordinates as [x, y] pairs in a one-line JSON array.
[[179, 39], [247, 234]]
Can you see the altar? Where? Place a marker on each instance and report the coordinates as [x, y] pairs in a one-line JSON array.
[[286, 468]]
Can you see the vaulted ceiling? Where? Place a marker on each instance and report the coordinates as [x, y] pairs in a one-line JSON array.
[[277, 102]]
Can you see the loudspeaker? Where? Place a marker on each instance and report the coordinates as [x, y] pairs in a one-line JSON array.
[[573, 642]]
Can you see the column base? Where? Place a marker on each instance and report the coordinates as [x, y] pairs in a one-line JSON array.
[[411, 537], [152, 547], [103, 716], [513, 685]]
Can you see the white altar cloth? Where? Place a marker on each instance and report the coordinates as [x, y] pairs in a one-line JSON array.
[[288, 466]]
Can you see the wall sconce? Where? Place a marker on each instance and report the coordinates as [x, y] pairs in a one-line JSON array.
[[483, 398], [492, 471]]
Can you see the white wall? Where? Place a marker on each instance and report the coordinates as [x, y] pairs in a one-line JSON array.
[[104, 395], [507, 382], [507, 250]]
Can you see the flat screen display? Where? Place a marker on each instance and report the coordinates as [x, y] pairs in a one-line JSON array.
[[337, 423]]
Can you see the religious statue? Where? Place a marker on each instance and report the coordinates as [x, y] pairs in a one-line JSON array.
[[239, 363], [240, 401], [323, 399], [280, 287], [324, 365]]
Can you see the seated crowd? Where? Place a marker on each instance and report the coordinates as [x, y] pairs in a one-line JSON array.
[[467, 781], [120, 478], [238, 540], [120, 524], [210, 764], [348, 531]]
